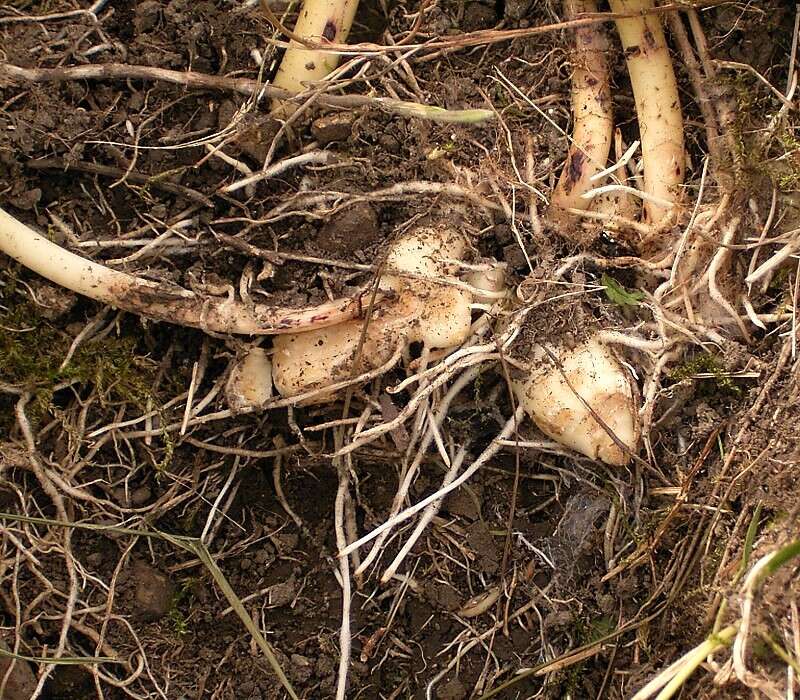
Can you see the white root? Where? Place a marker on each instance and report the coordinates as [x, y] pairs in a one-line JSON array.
[[591, 109], [425, 310], [318, 21], [617, 206], [438, 316], [658, 106], [162, 302], [556, 397]]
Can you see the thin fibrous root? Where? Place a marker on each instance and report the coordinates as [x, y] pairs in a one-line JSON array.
[[405, 483], [485, 456], [242, 86]]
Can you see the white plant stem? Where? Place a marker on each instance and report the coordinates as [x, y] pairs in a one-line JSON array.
[[318, 21], [591, 109], [658, 106]]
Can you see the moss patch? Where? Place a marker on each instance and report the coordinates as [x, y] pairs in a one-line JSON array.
[[705, 363], [32, 350]]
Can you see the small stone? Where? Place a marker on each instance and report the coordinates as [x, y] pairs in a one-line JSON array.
[[264, 556], [140, 496], [478, 16], [286, 542], [516, 10], [452, 690], [349, 230], [27, 200], [22, 682], [301, 668], [154, 592], [245, 564], [146, 17], [249, 384], [283, 593], [333, 127], [463, 504], [513, 255]]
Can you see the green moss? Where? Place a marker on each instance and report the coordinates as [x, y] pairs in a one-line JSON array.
[[758, 155], [32, 350], [705, 363], [587, 631], [182, 599], [780, 280]]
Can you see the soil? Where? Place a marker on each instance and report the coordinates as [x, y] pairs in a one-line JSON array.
[[725, 438]]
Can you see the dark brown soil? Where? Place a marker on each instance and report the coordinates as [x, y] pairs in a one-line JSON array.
[[166, 611]]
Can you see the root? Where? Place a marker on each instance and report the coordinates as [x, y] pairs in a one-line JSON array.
[[690, 274], [410, 471], [485, 456], [242, 86], [159, 301]]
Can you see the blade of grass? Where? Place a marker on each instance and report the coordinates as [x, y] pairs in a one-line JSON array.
[[235, 602], [779, 651], [779, 558], [749, 538], [61, 661], [696, 657]]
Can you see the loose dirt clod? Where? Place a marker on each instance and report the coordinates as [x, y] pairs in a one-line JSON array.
[[16, 677], [352, 229], [153, 592]]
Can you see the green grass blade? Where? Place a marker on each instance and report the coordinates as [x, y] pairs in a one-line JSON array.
[[203, 554], [60, 661], [749, 539], [781, 557]]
